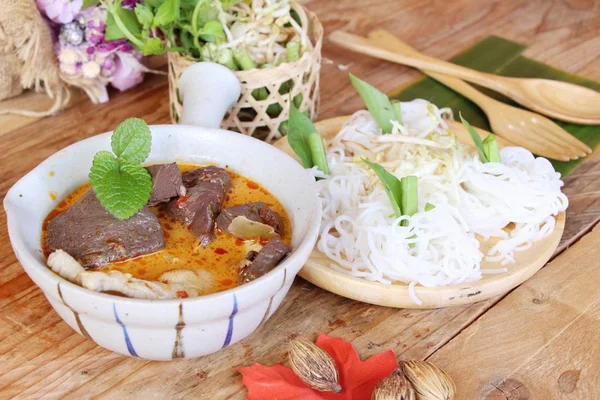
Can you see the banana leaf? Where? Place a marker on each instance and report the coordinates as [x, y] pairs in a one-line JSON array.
[[503, 57]]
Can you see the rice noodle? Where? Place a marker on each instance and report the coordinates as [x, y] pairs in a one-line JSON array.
[[473, 201]]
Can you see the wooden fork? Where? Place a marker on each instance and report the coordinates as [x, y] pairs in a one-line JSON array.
[[557, 99], [464, 137], [521, 127]]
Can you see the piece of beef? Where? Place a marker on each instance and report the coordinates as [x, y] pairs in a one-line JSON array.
[[255, 211], [92, 236], [166, 183], [211, 174], [264, 261], [198, 209]]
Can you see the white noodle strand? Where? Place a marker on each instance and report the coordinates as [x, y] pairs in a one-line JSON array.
[[471, 199]]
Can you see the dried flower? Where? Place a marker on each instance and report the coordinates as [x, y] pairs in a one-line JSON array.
[[89, 61], [127, 71], [394, 387], [90, 70], [314, 366], [429, 382], [60, 11]]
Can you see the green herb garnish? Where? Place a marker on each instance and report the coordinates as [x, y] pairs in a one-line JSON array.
[[174, 18], [491, 149], [409, 197], [167, 13], [488, 148], [121, 184], [305, 140], [123, 23], [391, 184], [379, 105], [402, 193]]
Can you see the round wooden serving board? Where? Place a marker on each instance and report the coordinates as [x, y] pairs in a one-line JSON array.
[[318, 272]]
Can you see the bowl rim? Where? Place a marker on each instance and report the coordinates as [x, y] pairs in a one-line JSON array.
[[306, 242]]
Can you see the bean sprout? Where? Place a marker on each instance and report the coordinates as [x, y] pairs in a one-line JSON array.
[[263, 28]]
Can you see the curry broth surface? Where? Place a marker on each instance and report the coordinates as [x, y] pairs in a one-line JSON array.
[[220, 258]]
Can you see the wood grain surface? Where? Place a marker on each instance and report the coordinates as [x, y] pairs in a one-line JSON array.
[[551, 351], [41, 357]]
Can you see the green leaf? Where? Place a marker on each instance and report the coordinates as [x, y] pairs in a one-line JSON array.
[[123, 188], [129, 21], [476, 139], [154, 3], [317, 151], [409, 197], [131, 140], [298, 99], [153, 46], [89, 3], [204, 12], [186, 40], [167, 13], [491, 149], [212, 31], [144, 15], [229, 3], [299, 129], [391, 184], [397, 110], [402, 193], [429, 206], [378, 104]]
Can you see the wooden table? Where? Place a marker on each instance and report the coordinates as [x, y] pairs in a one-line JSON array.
[[540, 341]]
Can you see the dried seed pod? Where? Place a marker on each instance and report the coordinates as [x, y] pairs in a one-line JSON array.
[[429, 382], [314, 366], [394, 387]]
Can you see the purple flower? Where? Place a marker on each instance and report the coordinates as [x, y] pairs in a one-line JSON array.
[[93, 60], [128, 71], [60, 11], [130, 3]]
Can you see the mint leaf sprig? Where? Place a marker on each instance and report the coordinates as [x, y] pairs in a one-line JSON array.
[[487, 148], [121, 184]]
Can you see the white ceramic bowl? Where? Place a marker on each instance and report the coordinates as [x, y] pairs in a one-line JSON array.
[[166, 329]]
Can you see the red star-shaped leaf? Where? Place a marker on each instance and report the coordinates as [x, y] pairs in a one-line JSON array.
[[358, 378]]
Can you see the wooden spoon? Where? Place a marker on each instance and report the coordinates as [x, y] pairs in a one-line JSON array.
[[560, 100], [523, 128]]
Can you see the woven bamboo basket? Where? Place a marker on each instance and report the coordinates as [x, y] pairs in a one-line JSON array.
[[249, 116]]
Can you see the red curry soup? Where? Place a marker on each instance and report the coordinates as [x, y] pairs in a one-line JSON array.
[[220, 258]]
